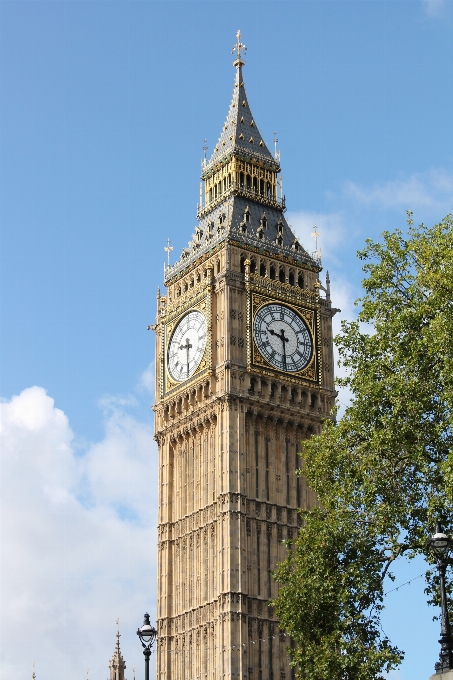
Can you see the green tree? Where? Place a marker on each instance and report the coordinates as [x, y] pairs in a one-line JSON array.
[[384, 473]]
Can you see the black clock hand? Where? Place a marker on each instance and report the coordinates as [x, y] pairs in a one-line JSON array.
[[281, 336], [283, 339], [187, 346]]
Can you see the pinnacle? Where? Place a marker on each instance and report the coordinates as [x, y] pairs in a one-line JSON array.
[[117, 664], [240, 131]]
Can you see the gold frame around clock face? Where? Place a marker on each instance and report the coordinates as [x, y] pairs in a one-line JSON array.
[[202, 305], [311, 372], [189, 334], [282, 337]]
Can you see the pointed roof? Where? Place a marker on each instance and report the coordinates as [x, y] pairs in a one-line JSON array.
[[117, 664], [240, 131], [241, 213]]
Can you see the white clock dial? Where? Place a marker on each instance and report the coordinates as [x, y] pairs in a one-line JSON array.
[[187, 346], [282, 337]]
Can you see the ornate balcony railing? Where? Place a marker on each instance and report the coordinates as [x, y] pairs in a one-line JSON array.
[[236, 233]]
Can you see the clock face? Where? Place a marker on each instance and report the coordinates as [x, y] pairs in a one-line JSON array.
[[187, 346], [282, 337]]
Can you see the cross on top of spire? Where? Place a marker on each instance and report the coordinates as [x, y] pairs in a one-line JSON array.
[[238, 48]]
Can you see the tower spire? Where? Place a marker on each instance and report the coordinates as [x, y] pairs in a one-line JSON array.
[[241, 189], [117, 664], [240, 133]]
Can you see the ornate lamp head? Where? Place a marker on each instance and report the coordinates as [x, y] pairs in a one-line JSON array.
[[147, 633], [439, 543]]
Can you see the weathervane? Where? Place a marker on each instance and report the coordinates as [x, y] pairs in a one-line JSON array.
[[238, 48], [315, 235], [168, 248], [33, 675]]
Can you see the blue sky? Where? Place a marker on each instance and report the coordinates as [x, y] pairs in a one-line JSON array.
[[105, 106]]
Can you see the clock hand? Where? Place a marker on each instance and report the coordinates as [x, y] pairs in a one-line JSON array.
[[187, 346], [281, 337]]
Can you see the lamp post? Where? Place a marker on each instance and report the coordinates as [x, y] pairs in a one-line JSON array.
[[147, 634], [441, 545]]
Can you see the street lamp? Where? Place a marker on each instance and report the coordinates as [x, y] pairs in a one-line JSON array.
[[147, 634], [441, 545]]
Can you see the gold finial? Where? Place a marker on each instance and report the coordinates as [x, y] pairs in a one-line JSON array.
[[168, 248], [118, 633], [276, 153], [315, 235], [203, 162], [238, 48]]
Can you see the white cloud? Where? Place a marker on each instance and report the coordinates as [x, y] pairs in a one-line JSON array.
[[78, 539], [434, 8], [146, 380], [432, 190]]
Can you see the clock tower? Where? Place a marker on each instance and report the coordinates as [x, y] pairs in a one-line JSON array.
[[244, 372]]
